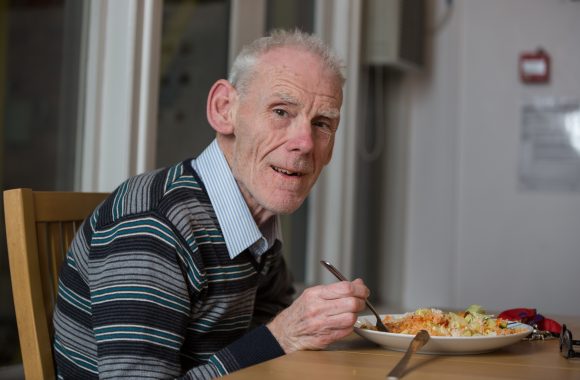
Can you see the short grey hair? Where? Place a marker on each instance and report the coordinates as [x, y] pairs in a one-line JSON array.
[[242, 70]]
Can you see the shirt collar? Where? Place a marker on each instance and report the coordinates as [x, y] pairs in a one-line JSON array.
[[238, 226]]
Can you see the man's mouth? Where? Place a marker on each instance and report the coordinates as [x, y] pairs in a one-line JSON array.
[[287, 172]]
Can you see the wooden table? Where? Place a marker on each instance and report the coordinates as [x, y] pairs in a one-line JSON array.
[[356, 358]]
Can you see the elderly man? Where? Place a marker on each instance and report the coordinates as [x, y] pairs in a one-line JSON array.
[[179, 273]]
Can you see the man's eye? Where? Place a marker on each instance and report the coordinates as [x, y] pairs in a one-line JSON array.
[[325, 127], [280, 112]]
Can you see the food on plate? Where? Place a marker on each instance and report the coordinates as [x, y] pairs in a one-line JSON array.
[[473, 321]]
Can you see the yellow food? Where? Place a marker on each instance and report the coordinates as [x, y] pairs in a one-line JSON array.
[[471, 322]]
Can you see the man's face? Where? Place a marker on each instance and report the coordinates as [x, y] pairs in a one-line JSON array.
[[284, 130]]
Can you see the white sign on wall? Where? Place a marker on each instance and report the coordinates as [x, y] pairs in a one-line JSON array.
[[550, 146]]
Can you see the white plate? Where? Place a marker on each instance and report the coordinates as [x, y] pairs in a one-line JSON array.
[[447, 345]]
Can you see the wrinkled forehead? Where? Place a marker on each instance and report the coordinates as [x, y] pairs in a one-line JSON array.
[[290, 72], [301, 63]]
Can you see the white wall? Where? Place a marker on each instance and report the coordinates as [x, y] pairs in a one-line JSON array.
[[471, 235]]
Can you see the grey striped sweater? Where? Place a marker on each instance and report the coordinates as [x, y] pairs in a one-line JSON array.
[[149, 291]]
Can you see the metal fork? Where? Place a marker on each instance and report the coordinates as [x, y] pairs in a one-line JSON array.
[[418, 341], [379, 324]]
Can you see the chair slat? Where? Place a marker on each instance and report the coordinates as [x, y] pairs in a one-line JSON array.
[[39, 229], [68, 233], [54, 254], [44, 242]]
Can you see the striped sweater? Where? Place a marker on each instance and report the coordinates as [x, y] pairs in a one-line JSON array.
[[148, 290]]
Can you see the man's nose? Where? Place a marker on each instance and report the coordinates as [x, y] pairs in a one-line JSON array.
[[301, 135]]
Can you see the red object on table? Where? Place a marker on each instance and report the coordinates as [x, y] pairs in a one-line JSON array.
[[531, 317]]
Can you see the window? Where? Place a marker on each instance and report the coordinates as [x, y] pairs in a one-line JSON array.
[[40, 66], [194, 54]]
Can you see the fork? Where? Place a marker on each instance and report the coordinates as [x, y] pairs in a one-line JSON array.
[[379, 324], [420, 339]]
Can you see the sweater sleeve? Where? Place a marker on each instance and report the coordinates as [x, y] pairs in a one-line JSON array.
[[255, 347], [141, 301]]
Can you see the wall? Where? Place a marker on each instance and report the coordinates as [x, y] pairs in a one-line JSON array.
[[471, 235]]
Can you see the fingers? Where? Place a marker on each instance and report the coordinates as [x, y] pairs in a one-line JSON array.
[[321, 315], [296, 332], [336, 298], [344, 305], [342, 321], [342, 289]]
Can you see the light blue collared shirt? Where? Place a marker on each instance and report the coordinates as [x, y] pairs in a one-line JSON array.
[[238, 226]]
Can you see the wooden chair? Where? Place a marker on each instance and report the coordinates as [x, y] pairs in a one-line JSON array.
[[39, 229]]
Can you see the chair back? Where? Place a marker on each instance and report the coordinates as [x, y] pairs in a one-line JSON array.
[[39, 228]]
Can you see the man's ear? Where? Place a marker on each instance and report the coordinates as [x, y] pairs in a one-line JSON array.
[[221, 103]]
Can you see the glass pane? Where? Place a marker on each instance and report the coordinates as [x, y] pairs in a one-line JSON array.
[[39, 112], [194, 54], [286, 14]]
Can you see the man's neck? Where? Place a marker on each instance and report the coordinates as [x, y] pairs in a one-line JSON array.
[[259, 213]]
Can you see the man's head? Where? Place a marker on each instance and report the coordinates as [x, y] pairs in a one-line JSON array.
[[276, 118], [244, 66]]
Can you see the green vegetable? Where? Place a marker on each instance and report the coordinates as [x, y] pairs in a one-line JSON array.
[[475, 309]]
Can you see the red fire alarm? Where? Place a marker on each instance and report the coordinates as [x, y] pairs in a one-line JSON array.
[[535, 66]]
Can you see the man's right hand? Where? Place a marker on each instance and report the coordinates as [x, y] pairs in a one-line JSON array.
[[321, 315]]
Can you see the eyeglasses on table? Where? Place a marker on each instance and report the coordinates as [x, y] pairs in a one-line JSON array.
[[567, 344]]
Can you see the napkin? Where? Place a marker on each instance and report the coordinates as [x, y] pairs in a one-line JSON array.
[[531, 317]]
